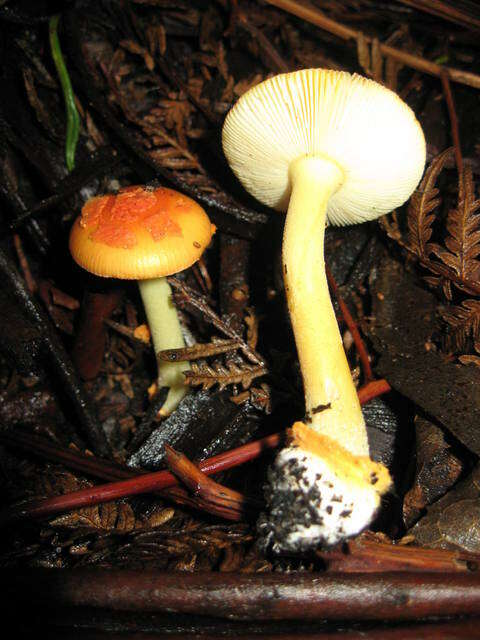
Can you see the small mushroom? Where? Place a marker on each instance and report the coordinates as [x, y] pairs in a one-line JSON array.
[[329, 147], [145, 234]]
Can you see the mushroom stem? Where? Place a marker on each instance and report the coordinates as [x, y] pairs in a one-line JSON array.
[[166, 334], [332, 406]]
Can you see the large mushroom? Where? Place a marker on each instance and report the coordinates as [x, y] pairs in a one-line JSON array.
[[329, 147], [146, 234]]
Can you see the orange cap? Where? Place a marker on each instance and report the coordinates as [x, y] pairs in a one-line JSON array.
[[140, 233]]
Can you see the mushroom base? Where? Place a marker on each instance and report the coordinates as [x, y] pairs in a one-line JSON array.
[[311, 505]]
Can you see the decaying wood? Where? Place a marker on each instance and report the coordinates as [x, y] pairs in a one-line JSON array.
[[371, 555], [437, 470]]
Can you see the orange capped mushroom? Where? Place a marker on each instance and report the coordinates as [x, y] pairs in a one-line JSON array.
[[145, 234]]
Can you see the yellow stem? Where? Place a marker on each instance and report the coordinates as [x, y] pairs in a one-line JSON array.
[[166, 334], [330, 396]]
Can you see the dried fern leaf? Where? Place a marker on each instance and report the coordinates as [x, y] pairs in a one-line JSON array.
[[207, 376], [422, 203], [199, 350], [462, 245], [464, 323]]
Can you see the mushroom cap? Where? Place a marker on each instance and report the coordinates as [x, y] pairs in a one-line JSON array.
[[140, 233], [360, 125]]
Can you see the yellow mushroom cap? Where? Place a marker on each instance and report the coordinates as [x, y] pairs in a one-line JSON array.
[[358, 124], [140, 233]]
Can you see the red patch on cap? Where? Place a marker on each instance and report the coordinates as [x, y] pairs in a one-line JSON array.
[[115, 220]]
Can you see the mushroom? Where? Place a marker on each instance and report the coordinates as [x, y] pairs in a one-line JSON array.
[[146, 234], [328, 147]]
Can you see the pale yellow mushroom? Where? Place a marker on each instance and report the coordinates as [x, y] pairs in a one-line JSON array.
[[328, 147]]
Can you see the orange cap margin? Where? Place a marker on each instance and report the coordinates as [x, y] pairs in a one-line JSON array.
[[140, 233]]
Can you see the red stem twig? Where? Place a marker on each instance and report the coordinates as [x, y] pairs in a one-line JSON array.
[[130, 483], [352, 326], [90, 339], [452, 114], [215, 498]]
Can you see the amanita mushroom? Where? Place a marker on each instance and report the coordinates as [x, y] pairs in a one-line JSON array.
[[145, 234], [331, 148]]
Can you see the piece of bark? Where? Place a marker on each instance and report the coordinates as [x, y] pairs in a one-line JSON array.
[[382, 428], [203, 425], [371, 553], [437, 469], [233, 282], [404, 322], [453, 522]]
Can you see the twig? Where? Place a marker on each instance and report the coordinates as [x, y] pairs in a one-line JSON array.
[[367, 554], [102, 161], [373, 389], [90, 338], [352, 326], [23, 262], [72, 459], [447, 92], [266, 596], [277, 63], [139, 334], [310, 14], [217, 499], [233, 290], [448, 11], [195, 300]]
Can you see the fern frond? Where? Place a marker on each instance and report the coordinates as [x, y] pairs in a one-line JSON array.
[[422, 203]]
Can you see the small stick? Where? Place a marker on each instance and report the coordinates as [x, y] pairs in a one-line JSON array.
[[352, 325], [219, 500], [25, 267], [198, 302], [313, 15], [447, 11], [91, 336], [277, 63], [129, 332], [447, 92], [240, 596], [372, 390]]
